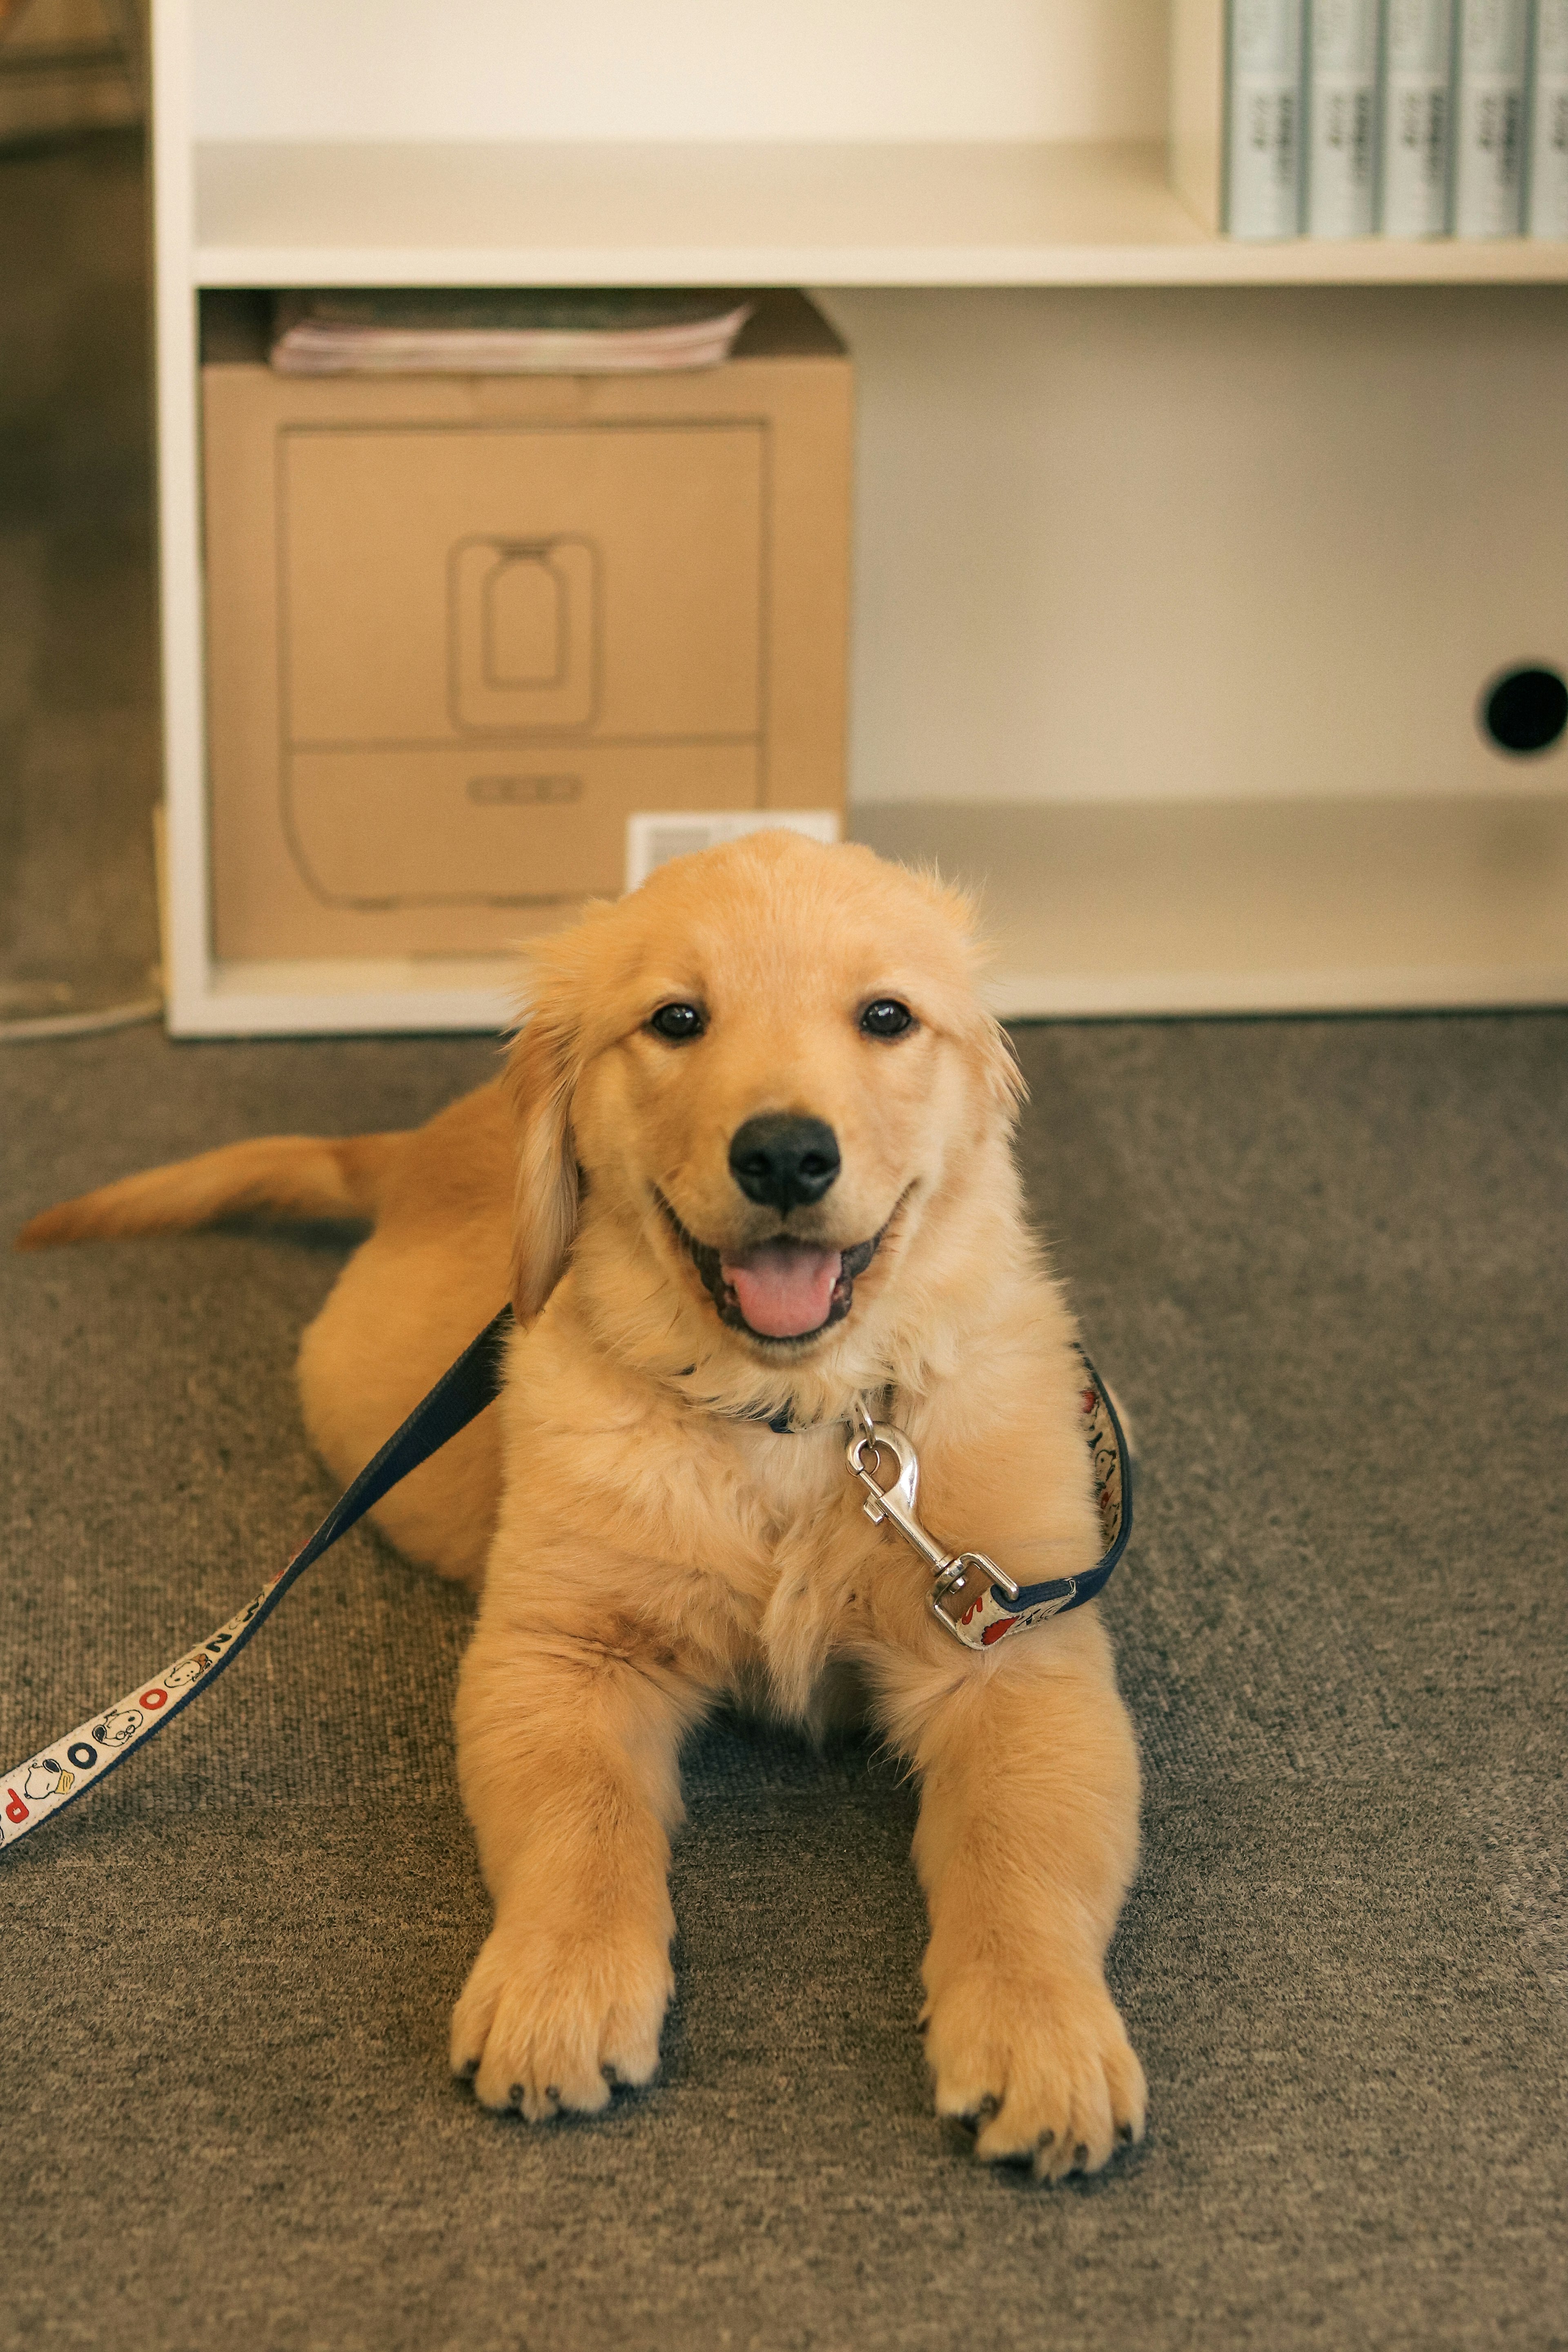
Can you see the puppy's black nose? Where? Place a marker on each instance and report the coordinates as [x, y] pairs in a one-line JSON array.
[[781, 1160]]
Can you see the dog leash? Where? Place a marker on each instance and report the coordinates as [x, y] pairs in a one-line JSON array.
[[971, 1597], [69, 1768]]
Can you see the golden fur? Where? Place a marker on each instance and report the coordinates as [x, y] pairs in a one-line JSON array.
[[642, 1553]]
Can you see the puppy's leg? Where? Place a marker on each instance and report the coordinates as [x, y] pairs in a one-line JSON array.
[[1026, 1845], [567, 1748]]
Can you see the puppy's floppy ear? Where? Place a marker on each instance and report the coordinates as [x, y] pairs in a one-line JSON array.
[[540, 1075], [1005, 1081], [984, 1038]]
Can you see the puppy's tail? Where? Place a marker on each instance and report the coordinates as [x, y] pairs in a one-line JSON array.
[[281, 1175]]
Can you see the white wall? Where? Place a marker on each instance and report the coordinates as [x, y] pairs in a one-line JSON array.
[[681, 68], [1226, 542]]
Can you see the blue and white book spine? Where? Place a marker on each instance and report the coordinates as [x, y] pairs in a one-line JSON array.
[[1546, 209], [1417, 112], [1341, 117], [1262, 119], [1492, 41]]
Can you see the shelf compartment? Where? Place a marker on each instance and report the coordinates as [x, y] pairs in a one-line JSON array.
[[1319, 905], [342, 998], [298, 213], [1120, 910]]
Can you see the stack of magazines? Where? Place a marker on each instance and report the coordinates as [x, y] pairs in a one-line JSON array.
[[598, 331], [1411, 117]]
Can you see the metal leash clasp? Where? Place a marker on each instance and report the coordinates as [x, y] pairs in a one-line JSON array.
[[897, 1503]]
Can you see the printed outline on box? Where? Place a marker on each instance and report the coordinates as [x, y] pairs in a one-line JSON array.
[[289, 748], [488, 670], [502, 541], [517, 800]]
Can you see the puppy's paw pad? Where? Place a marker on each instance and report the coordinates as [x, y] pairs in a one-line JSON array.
[[544, 2029], [1044, 2068]]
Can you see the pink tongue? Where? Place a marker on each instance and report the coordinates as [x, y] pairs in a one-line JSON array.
[[784, 1288]]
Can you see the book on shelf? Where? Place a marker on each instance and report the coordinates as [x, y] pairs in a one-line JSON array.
[[1339, 148], [1345, 118], [1417, 61], [1263, 124], [1546, 213], [399, 331], [1492, 41]]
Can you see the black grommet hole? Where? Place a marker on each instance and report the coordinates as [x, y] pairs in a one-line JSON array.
[[1525, 710]]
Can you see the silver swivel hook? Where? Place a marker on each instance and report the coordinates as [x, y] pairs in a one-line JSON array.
[[898, 1503]]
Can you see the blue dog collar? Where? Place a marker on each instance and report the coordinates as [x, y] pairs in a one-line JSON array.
[[972, 1598]]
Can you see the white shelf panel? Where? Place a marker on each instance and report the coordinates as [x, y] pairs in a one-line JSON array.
[[343, 998], [997, 214], [1164, 908], [1122, 909]]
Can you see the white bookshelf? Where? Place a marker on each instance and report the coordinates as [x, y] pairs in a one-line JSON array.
[[1083, 213], [1009, 153]]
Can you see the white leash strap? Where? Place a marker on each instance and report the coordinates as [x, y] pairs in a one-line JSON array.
[[50, 1780]]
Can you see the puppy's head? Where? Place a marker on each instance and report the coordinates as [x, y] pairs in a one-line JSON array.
[[748, 1093]]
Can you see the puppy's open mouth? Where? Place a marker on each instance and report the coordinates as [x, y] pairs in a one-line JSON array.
[[778, 1289]]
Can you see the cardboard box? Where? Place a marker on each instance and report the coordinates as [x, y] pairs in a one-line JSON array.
[[460, 628]]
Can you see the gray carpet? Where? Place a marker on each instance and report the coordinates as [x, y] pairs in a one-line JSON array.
[[1327, 1264]]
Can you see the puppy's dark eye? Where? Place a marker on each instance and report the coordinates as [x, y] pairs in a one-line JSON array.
[[677, 1023], [887, 1018]]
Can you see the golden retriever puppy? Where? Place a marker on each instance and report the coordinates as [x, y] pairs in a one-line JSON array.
[[750, 1164]]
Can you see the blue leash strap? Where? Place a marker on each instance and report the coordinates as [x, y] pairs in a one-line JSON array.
[[1111, 1462], [980, 1619], [56, 1776]]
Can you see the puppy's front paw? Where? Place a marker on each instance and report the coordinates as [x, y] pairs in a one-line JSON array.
[[1042, 2067], [547, 2022]]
